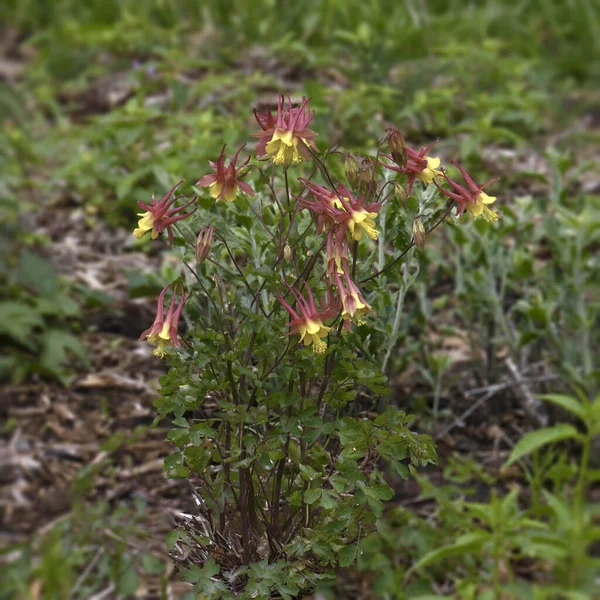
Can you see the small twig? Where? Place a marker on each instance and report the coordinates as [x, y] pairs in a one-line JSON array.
[[87, 571], [465, 414], [532, 406], [503, 386], [104, 594], [490, 390]]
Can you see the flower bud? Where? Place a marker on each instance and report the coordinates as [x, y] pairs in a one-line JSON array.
[[204, 243], [418, 234], [367, 178], [287, 253], [366, 170], [397, 147], [400, 193], [352, 171]]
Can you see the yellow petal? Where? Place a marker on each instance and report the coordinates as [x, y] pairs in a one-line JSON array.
[[164, 332], [231, 195], [324, 331], [425, 176], [359, 304], [215, 189], [475, 209], [313, 326], [146, 222], [483, 197], [432, 162], [288, 138], [273, 146]]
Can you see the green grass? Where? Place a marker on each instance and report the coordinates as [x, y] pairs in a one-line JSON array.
[[478, 74]]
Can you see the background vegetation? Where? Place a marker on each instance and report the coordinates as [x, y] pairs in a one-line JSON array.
[[105, 103]]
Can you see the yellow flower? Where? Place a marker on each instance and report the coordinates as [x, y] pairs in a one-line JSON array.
[[161, 343], [431, 171], [360, 221], [283, 148], [311, 332], [160, 216], [286, 138], [230, 194], [146, 223], [354, 305], [163, 332], [225, 183], [354, 308], [161, 340], [480, 207], [361, 218]]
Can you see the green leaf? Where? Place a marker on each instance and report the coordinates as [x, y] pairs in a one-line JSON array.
[[465, 544], [17, 320], [174, 536], [376, 506], [400, 468], [536, 439], [37, 274], [567, 402], [210, 568], [328, 500], [288, 592], [311, 496], [192, 574], [57, 345], [592, 534], [347, 555], [152, 564], [561, 510], [128, 582]]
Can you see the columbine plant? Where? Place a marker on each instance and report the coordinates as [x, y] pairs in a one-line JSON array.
[[270, 393]]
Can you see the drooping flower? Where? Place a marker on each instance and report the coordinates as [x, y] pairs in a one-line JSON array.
[[226, 183], [308, 321], [286, 137], [418, 166], [160, 216], [471, 198], [163, 332], [354, 305], [340, 206]]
